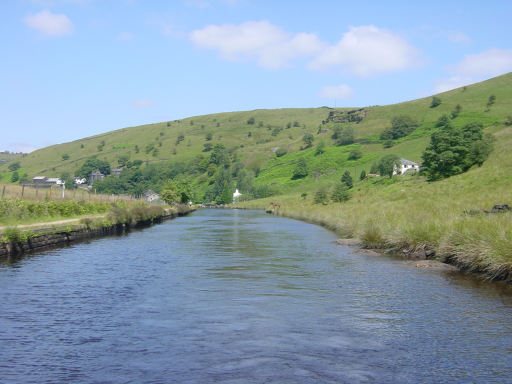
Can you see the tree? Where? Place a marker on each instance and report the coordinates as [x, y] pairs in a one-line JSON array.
[[443, 120], [301, 169], [436, 101], [123, 159], [343, 136], [491, 101], [304, 195], [341, 193], [454, 150], [207, 147], [251, 120], [320, 148], [219, 155], [308, 139], [170, 193], [388, 164], [15, 177], [347, 179], [91, 165], [14, 166], [67, 179], [401, 126], [209, 136], [456, 111], [362, 176], [508, 120], [321, 197], [355, 154]]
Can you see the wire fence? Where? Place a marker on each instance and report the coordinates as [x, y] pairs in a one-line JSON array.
[[57, 192]]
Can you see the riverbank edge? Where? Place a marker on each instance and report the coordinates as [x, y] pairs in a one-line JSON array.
[[62, 236], [427, 255]]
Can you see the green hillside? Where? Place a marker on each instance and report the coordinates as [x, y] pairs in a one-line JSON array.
[[252, 137]]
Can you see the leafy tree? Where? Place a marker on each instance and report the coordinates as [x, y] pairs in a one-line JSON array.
[[219, 155], [149, 148], [454, 150], [209, 136], [491, 101], [343, 136], [443, 120], [65, 156], [81, 146], [207, 147], [245, 183], [347, 179], [180, 138], [15, 177], [388, 143], [341, 193], [387, 165], [436, 101], [67, 179], [362, 176], [321, 197], [508, 120], [320, 148], [456, 111], [374, 168], [251, 120], [355, 154], [123, 159], [91, 165], [401, 126], [288, 125], [296, 124], [304, 195], [14, 166], [301, 169], [308, 139], [170, 193], [136, 148]]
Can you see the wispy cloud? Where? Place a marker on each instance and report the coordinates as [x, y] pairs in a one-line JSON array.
[[430, 31], [363, 51], [50, 24], [342, 91], [477, 67], [143, 103]]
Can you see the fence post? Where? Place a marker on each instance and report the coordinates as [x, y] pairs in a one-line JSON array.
[[3, 192], [22, 190]]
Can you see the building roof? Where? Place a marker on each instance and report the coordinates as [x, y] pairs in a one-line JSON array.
[[407, 162], [39, 178], [150, 193], [96, 173]]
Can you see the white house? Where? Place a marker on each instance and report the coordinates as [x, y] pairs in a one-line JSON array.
[[151, 196], [236, 195], [80, 181], [406, 166]]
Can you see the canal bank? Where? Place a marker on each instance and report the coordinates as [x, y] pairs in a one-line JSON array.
[[16, 242]]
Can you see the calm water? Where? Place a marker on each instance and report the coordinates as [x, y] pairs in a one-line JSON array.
[[241, 297]]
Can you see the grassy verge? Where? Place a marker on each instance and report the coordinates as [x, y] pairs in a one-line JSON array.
[[410, 213]]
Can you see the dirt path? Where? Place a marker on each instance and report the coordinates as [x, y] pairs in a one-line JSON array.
[[46, 224]]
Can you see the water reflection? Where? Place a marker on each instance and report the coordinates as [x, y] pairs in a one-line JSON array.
[[238, 296]]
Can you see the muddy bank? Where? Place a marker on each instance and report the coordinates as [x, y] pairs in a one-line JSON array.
[[62, 236]]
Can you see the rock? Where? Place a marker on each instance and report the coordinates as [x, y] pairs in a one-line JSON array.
[[349, 242], [500, 208], [418, 254], [434, 265]]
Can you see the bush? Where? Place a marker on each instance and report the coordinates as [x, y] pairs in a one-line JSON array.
[[320, 148], [281, 152], [14, 166], [308, 139], [443, 121], [341, 193], [301, 169], [321, 197], [347, 179], [436, 101], [401, 126], [355, 154], [251, 120], [456, 111]]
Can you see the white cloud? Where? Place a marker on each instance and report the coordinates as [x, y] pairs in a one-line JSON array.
[[342, 91], [143, 103], [269, 45], [367, 50], [364, 50], [477, 67], [50, 24], [457, 37]]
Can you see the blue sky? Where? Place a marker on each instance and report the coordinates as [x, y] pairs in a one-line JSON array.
[[75, 68]]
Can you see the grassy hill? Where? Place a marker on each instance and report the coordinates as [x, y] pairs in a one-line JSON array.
[[254, 136]]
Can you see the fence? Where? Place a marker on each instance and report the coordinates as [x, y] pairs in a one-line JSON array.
[[56, 192]]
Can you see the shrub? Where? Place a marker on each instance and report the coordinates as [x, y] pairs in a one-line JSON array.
[[340, 193], [251, 120], [321, 197], [308, 139], [436, 101], [281, 152], [401, 126], [355, 154], [347, 179], [301, 169]]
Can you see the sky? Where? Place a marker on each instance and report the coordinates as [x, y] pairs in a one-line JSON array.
[[76, 68]]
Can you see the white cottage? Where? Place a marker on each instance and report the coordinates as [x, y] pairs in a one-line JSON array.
[[406, 166], [236, 196]]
